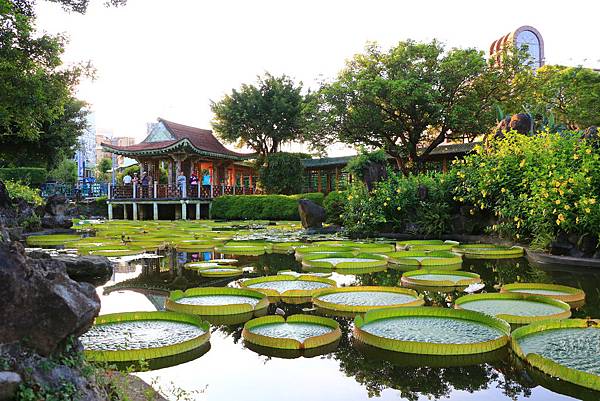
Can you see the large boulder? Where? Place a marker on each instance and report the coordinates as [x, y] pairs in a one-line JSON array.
[[41, 305], [374, 172], [5, 201], [91, 269], [521, 123], [311, 214], [57, 212]]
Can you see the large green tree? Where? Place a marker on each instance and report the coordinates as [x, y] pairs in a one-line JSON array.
[[39, 117], [570, 94], [262, 116], [409, 99]]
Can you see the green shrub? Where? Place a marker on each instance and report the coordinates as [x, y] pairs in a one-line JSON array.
[[282, 173], [33, 176], [335, 205], [65, 171], [536, 186], [18, 190], [395, 204], [31, 223], [260, 207]]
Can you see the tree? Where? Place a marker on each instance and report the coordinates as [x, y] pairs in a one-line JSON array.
[[39, 117], [262, 116], [282, 173], [571, 94], [407, 100], [103, 169]]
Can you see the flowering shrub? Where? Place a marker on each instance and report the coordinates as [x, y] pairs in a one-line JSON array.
[[536, 186], [417, 204]]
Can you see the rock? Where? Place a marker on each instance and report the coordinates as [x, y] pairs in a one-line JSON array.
[[5, 201], [588, 244], [521, 123], [591, 134], [561, 246], [374, 172], [56, 213], [323, 230], [38, 253], [311, 214], [502, 127], [9, 383], [41, 305], [91, 269]]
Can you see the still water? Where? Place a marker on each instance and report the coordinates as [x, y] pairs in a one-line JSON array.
[[231, 371]]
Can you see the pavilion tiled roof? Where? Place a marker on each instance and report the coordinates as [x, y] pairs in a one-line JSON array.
[[197, 140]]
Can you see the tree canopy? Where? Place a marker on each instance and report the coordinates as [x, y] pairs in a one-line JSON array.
[[262, 116], [570, 94], [408, 99], [40, 119]]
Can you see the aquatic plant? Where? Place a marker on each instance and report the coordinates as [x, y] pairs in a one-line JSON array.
[[515, 308], [364, 298], [439, 278], [297, 332], [567, 349], [426, 259], [287, 288], [431, 331], [343, 260], [100, 343], [217, 301], [489, 251], [573, 296]]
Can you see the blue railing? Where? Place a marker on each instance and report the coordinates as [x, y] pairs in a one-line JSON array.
[[73, 191]]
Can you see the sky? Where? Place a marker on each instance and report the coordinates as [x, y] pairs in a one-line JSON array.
[[170, 58]]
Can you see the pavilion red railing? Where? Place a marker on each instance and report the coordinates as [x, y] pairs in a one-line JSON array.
[[165, 191]]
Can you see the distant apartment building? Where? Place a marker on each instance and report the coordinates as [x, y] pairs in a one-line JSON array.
[[85, 155], [107, 137]]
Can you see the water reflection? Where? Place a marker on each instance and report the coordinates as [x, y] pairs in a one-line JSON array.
[[350, 371]]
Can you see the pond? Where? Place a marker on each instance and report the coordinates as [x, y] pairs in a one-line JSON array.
[[351, 371]]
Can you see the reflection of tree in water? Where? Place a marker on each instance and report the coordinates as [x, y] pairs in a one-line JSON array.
[[270, 263], [434, 382]]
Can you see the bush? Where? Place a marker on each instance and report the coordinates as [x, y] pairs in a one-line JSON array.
[[32, 176], [536, 186], [282, 173], [335, 205], [396, 205], [260, 207], [65, 171], [18, 190]]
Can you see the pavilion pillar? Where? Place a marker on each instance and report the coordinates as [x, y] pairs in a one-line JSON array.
[[177, 212], [444, 166], [183, 211], [110, 211], [337, 178], [125, 217], [155, 211], [170, 172], [135, 211], [197, 211], [319, 189]]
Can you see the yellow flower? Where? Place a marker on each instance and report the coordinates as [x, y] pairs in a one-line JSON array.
[[577, 220], [557, 201], [384, 203], [592, 201], [398, 208], [472, 211], [461, 199], [588, 151], [503, 190], [558, 222], [522, 164], [567, 207], [587, 210], [516, 218], [561, 217], [575, 156], [561, 192], [349, 197]]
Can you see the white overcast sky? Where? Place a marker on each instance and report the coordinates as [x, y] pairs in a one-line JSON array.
[[169, 58]]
